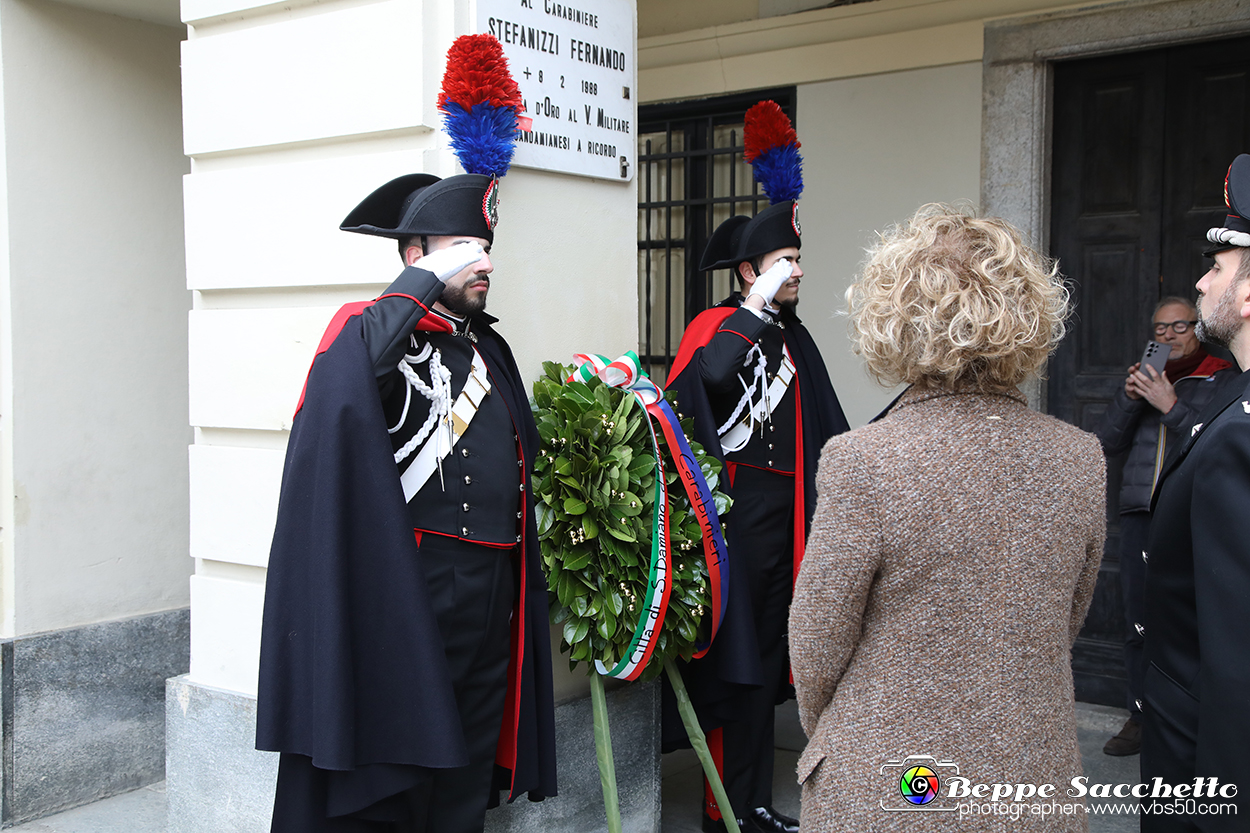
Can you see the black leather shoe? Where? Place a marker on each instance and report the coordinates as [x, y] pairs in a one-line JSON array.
[[711, 825], [1128, 742], [770, 821]]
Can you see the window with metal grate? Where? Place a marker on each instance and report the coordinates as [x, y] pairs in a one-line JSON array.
[[692, 177]]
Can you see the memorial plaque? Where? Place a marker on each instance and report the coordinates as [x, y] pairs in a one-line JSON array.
[[575, 65]]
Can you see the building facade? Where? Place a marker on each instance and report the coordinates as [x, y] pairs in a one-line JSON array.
[[151, 357]]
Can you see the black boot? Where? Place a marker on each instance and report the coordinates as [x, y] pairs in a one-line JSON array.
[[1128, 742], [771, 821]]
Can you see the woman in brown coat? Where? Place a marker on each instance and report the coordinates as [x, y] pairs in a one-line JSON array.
[[953, 553]]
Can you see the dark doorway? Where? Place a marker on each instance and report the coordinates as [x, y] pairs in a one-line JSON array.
[[1141, 145], [692, 177]]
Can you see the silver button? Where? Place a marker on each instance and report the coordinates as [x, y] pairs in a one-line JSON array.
[[1140, 705], [770, 446], [521, 487], [468, 480], [518, 514], [464, 530], [1140, 630], [464, 506], [1144, 557], [518, 539], [518, 462], [464, 452], [770, 427], [770, 462]]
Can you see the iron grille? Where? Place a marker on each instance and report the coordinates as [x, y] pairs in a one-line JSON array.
[[693, 178]]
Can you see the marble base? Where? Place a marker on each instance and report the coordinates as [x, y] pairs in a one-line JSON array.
[[217, 783], [83, 716]]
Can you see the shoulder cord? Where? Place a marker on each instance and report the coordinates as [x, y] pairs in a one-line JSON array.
[[438, 392], [757, 379]]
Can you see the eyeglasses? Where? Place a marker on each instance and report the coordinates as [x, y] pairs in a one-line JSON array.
[[1178, 327]]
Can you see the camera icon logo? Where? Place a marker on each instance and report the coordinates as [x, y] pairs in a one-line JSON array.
[[918, 786]]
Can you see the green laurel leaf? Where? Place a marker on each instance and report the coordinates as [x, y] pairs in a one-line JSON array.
[[595, 499]]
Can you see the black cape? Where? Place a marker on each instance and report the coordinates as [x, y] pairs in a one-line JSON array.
[[1197, 583], [352, 667], [731, 666]]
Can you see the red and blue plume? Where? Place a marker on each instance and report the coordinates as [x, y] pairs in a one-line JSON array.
[[772, 148], [480, 103]]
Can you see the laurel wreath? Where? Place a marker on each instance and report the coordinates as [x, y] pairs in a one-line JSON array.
[[595, 484]]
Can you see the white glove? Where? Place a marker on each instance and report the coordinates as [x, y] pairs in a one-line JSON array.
[[767, 284], [450, 261]]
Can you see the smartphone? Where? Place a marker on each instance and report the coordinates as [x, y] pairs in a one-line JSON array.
[[1155, 355]]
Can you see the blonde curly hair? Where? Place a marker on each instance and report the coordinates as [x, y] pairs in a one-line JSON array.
[[951, 300]]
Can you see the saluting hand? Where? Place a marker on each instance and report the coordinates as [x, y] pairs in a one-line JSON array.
[[448, 262], [1154, 388], [767, 284]]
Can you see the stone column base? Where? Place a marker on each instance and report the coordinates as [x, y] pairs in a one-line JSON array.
[[217, 783], [80, 711]]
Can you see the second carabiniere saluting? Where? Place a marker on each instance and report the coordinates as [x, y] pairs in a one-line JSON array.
[[752, 378]]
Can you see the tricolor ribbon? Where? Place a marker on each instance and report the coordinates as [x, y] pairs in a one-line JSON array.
[[626, 373]]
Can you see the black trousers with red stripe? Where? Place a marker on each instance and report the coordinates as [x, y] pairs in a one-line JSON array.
[[472, 591], [761, 542]]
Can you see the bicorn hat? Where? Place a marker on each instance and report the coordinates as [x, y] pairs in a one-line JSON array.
[[481, 104], [416, 204], [742, 238], [1236, 229], [772, 148]]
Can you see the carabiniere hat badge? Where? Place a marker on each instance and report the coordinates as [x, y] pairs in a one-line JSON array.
[[490, 203]]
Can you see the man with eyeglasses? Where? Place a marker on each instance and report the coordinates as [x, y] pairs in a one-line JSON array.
[[1149, 415]]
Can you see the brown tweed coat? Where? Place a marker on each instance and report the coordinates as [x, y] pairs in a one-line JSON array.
[[950, 565]]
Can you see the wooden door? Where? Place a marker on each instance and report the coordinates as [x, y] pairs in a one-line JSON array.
[[1140, 145]]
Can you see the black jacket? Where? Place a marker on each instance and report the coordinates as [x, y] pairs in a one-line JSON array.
[[1133, 425], [725, 334], [1197, 595], [352, 669]]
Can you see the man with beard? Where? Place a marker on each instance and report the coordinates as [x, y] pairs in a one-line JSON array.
[[751, 376], [1197, 681], [405, 663], [1148, 417]]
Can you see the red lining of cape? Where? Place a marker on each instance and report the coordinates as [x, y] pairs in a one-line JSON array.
[[705, 325], [1209, 366], [428, 323], [506, 748]]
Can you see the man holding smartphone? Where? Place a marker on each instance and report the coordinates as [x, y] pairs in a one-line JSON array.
[[1150, 415]]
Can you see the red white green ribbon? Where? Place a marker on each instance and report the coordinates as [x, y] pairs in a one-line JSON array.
[[704, 507], [626, 373]]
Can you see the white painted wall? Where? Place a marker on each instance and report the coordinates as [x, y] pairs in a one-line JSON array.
[[97, 300], [875, 149], [306, 139]]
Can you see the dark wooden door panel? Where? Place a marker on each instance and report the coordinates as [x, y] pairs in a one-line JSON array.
[[1140, 146], [1208, 124], [1106, 203]]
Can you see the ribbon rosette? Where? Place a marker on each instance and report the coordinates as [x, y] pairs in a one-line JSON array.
[[626, 373]]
